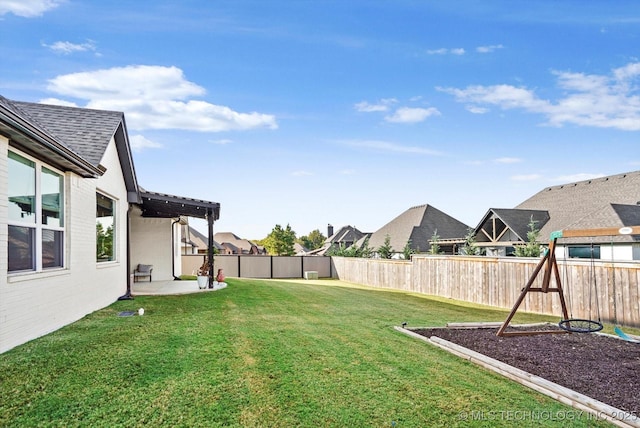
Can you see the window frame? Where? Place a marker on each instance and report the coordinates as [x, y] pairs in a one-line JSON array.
[[115, 239], [37, 226]]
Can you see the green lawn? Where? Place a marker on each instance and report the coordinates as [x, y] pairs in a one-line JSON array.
[[265, 354]]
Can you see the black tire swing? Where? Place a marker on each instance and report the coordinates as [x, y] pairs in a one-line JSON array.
[[583, 325]]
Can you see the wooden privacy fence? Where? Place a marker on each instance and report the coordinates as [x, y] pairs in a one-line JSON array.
[[612, 289]]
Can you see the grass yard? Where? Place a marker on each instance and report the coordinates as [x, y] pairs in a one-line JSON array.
[[264, 354]]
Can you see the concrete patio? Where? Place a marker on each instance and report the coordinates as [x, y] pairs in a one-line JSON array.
[[169, 287]]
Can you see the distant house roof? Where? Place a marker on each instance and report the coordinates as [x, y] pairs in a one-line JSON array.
[[193, 237], [299, 249], [601, 202], [418, 224], [508, 226], [243, 246], [346, 234]]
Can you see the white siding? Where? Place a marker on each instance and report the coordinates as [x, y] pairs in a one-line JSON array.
[[33, 304], [151, 244]]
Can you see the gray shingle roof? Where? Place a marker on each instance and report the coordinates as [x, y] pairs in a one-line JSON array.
[[27, 134], [86, 132], [418, 223], [596, 203], [345, 234]]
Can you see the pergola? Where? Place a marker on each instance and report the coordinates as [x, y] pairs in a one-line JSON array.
[[161, 205]]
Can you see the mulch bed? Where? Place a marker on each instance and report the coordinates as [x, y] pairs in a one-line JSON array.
[[603, 368]]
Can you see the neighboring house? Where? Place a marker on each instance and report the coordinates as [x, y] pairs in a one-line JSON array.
[[611, 201], [75, 223], [346, 236], [236, 244], [229, 249], [300, 250], [419, 224], [194, 242]]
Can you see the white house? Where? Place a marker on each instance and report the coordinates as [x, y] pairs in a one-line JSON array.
[[74, 222]]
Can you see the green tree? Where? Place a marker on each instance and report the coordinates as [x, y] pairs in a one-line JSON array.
[[313, 241], [407, 250], [385, 251], [366, 251], [280, 241], [470, 247], [104, 242], [532, 248], [434, 248]]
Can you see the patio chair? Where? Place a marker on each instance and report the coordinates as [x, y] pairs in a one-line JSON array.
[[142, 271]]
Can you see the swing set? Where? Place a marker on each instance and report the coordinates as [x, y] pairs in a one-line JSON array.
[[550, 265]]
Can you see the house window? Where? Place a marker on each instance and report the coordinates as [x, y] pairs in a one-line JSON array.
[[36, 207], [105, 224], [584, 252]]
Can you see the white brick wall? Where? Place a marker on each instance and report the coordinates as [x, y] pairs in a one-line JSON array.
[[151, 244], [34, 304]]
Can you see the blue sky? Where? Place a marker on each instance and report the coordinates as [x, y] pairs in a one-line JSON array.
[[343, 112]]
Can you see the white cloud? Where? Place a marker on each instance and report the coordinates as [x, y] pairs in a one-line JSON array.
[[382, 105], [507, 160], [603, 101], [392, 147], [529, 177], [477, 110], [222, 142], [28, 8], [348, 172], [441, 51], [445, 51], [67, 48], [411, 114], [155, 97], [139, 143], [488, 49], [58, 102], [301, 173]]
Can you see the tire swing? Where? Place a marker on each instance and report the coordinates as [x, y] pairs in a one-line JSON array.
[[584, 325]]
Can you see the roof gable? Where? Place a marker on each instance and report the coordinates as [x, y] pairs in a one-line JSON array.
[[515, 220], [85, 131], [418, 224], [345, 234]]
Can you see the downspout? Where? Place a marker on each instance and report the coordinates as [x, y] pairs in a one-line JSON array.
[[173, 246], [127, 295], [210, 246]]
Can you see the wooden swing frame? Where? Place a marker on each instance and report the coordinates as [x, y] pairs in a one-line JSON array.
[[550, 265]]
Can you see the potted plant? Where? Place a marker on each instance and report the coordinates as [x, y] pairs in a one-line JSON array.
[[203, 274]]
